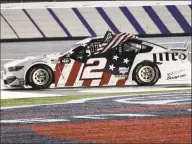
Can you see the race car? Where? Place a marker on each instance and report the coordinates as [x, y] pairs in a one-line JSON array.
[[109, 60]]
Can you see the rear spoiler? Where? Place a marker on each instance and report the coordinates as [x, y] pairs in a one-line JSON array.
[[186, 48]]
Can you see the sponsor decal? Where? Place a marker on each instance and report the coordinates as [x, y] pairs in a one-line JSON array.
[[121, 76], [182, 56], [54, 61], [123, 70], [176, 77], [169, 56], [176, 74], [65, 61]]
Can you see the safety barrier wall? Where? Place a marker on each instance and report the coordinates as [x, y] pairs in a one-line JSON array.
[[54, 22]]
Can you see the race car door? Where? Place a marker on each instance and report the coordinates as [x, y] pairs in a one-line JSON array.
[[119, 61], [70, 68]]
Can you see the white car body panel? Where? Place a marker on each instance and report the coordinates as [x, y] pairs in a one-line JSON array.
[[173, 68]]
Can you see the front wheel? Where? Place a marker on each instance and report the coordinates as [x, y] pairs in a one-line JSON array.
[[146, 74], [40, 77]]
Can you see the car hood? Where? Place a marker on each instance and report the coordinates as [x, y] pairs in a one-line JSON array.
[[29, 58]]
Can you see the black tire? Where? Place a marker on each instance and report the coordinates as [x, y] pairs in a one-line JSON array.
[[146, 74], [42, 81]]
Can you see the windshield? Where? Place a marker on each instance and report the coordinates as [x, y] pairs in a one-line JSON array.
[[71, 48], [81, 43]]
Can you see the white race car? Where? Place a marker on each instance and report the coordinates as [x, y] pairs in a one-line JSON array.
[[110, 60]]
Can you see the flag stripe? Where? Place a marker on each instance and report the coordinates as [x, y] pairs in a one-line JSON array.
[[114, 43], [73, 74], [115, 39], [120, 40], [105, 79], [123, 39], [129, 36]]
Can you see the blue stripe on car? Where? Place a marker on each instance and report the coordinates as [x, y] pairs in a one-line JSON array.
[[84, 22], [132, 20], [34, 23], [155, 18], [179, 18], [107, 20]]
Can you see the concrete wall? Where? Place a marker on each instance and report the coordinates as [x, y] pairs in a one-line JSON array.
[[28, 22]]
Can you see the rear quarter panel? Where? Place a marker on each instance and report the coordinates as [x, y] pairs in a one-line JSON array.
[[177, 70]]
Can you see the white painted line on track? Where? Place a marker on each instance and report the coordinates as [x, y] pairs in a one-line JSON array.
[[34, 120], [138, 89], [15, 95], [47, 120], [104, 116], [154, 102], [6, 94]]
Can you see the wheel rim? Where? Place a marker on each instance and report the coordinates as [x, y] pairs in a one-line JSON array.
[[146, 73], [40, 77]]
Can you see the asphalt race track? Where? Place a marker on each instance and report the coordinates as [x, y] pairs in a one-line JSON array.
[[142, 118]]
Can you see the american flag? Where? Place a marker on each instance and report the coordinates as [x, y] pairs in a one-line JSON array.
[[112, 42]]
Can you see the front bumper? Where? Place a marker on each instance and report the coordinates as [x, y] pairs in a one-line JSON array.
[[13, 81]]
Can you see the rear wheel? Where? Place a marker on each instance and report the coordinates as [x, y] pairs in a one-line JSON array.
[[146, 74], [40, 77]]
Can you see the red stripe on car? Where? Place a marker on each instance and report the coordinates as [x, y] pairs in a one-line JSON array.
[[58, 72], [86, 83], [105, 80], [121, 82], [73, 74]]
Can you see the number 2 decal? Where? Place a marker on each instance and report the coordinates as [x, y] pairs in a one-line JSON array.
[[93, 70]]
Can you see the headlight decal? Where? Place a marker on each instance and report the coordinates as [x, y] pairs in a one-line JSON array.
[[16, 68]]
